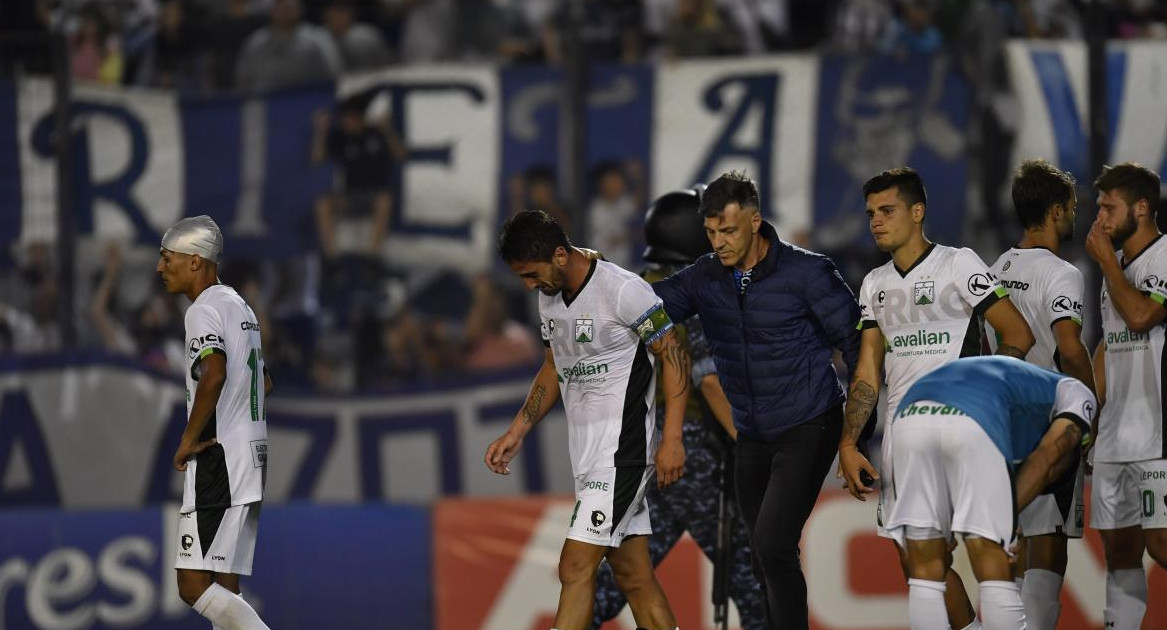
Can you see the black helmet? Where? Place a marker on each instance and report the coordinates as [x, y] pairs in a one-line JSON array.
[[674, 229]]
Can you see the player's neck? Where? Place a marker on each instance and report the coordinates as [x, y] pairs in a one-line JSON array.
[[1144, 234], [759, 247], [578, 266], [1045, 238], [907, 254], [201, 284]]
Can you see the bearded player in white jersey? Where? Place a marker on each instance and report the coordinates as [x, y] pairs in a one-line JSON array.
[[1048, 291], [223, 450], [602, 325], [1129, 497], [919, 311]]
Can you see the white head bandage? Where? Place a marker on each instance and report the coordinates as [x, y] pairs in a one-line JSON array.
[[195, 235]]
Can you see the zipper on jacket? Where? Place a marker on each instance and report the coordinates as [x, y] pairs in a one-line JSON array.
[[741, 301]]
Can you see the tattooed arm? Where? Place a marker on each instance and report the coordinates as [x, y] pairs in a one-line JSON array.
[[1016, 338], [676, 368], [543, 395], [861, 400]]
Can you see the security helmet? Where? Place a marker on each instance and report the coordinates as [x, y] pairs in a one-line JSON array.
[[674, 229]]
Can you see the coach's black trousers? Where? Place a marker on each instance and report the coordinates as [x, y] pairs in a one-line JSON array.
[[778, 483]]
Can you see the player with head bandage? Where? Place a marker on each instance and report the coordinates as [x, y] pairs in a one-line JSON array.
[[223, 450]]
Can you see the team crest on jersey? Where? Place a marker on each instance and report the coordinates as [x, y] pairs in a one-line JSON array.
[[924, 293], [1008, 263], [584, 331]]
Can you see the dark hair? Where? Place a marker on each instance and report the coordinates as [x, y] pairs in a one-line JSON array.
[[355, 105], [732, 187], [905, 179], [1130, 181], [531, 236], [1038, 186]]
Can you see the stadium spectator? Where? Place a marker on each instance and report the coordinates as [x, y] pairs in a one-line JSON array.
[[619, 195], [228, 29], [286, 53], [96, 49], [773, 313], [698, 29], [861, 25], [537, 189], [489, 31], [1139, 19], [364, 153], [425, 27], [491, 339], [361, 45], [609, 31], [172, 61], [1049, 19], [913, 31]]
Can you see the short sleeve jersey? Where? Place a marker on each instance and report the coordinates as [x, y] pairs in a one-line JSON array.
[[1013, 401], [928, 314], [233, 471], [607, 378], [1130, 427], [1047, 290]]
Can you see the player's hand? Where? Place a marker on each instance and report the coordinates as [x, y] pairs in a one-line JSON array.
[[1098, 244], [501, 451], [186, 451], [670, 463], [852, 464]]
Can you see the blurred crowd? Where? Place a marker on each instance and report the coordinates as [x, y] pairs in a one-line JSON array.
[[340, 318], [215, 46]]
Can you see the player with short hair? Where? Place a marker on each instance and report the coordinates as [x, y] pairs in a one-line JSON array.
[[963, 433], [602, 326], [920, 310], [1130, 453], [675, 237], [1048, 291], [223, 450]]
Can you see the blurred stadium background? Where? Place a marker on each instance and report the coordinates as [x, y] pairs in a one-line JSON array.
[[397, 359]]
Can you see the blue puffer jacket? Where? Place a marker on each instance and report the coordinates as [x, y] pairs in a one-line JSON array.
[[772, 341]]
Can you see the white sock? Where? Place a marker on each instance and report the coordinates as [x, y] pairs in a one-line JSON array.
[[1041, 595], [975, 624], [1001, 607], [926, 605], [1126, 599], [227, 611]]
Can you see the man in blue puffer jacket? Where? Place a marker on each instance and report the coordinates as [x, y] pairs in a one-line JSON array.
[[772, 314]]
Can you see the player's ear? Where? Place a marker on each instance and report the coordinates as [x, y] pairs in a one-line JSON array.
[[918, 212], [559, 257]]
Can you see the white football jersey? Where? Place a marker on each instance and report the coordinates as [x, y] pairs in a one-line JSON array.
[[929, 314], [1047, 290], [607, 375], [1130, 427], [231, 472]]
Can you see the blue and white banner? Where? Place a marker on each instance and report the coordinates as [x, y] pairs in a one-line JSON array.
[[144, 158], [876, 113], [101, 433], [315, 567], [1050, 81]]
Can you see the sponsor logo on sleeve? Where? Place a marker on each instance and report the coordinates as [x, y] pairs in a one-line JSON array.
[[979, 284]]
